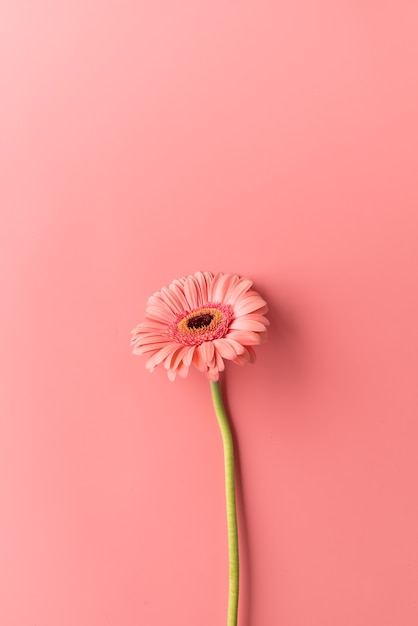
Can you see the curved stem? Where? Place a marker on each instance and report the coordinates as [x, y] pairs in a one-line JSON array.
[[231, 514]]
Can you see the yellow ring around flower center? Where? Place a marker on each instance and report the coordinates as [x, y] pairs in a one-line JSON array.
[[216, 315]]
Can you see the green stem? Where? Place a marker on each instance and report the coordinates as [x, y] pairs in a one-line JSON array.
[[231, 513]]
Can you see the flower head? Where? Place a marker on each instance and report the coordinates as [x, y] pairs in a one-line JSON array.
[[201, 320]]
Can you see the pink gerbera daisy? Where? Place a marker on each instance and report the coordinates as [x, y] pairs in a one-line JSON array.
[[201, 320]]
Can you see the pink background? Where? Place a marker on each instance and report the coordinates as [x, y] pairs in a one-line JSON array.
[[141, 141]]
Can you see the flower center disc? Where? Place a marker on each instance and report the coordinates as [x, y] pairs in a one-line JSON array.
[[207, 323], [200, 321]]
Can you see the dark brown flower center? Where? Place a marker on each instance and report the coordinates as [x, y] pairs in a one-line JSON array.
[[206, 323], [200, 321]]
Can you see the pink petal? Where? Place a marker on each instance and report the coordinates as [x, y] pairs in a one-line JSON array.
[[243, 323], [143, 339], [238, 347], [228, 348], [243, 359], [238, 290], [199, 362], [184, 355], [248, 305], [188, 357], [202, 280], [257, 318], [183, 370], [178, 290], [171, 375], [155, 300], [150, 325], [178, 357], [246, 337], [219, 361], [207, 351], [159, 356], [191, 293], [159, 314], [171, 300], [168, 361], [222, 283], [152, 347]]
